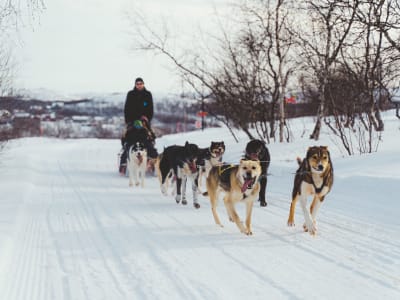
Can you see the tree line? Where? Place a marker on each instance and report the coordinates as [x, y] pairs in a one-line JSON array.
[[341, 55]]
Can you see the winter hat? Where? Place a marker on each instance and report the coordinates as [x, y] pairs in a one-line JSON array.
[[139, 79]]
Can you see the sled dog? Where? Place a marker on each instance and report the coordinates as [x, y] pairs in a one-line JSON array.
[[202, 159], [257, 150], [313, 177], [188, 172], [137, 164], [239, 183], [214, 158], [179, 162]]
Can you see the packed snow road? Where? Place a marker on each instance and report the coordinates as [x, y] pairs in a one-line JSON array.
[[71, 228]]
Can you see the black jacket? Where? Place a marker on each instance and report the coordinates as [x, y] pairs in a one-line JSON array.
[[137, 104]]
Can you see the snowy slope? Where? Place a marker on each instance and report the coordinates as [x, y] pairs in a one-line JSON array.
[[71, 228]]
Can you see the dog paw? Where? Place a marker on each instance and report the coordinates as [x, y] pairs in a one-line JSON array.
[[310, 228], [137, 183], [130, 184], [178, 198], [196, 205], [247, 231], [184, 202], [164, 190], [263, 203], [290, 223]]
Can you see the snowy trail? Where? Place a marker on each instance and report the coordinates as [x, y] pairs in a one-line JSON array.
[[71, 228]]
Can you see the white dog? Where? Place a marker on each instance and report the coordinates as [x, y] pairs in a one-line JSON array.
[[137, 164]]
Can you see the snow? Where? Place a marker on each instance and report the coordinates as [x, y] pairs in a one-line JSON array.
[[71, 228]]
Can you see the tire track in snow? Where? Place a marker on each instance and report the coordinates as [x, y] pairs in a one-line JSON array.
[[57, 247], [75, 187], [336, 224], [335, 249], [148, 242], [26, 276], [232, 260], [157, 258]]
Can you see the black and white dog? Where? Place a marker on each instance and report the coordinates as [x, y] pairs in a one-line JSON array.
[[180, 162], [212, 157], [187, 171], [131, 137], [257, 150], [137, 164]]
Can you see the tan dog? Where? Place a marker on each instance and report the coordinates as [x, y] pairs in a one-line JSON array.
[[137, 164], [314, 177], [240, 183]]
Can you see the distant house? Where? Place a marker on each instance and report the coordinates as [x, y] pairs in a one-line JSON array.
[[20, 114], [81, 119]]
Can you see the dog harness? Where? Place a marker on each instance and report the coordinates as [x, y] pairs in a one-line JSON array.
[[308, 178], [224, 172], [319, 190]]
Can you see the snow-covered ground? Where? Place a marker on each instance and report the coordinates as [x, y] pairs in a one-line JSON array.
[[71, 228]]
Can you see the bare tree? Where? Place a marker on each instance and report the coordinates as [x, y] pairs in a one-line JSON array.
[[245, 75], [387, 20], [329, 24], [12, 14], [361, 85], [268, 33]]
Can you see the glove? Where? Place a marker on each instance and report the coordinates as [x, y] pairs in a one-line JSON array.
[[144, 119]]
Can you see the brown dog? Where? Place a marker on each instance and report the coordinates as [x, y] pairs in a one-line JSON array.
[[313, 177], [240, 183]]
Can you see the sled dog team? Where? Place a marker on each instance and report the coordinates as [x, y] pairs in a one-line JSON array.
[[244, 182]]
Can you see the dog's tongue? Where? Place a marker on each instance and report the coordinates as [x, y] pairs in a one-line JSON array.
[[193, 167], [246, 184]]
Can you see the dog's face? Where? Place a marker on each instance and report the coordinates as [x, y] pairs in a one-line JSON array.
[[248, 173], [138, 150], [255, 150], [217, 149], [318, 158]]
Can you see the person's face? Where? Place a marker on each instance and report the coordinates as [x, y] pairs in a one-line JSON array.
[[139, 85]]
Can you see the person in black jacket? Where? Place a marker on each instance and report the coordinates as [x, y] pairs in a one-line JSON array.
[[138, 109], [138, 103]]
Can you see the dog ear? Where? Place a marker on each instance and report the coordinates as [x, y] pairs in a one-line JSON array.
[[308, 152]]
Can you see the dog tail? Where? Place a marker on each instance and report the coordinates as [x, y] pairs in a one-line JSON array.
[[299, 160]]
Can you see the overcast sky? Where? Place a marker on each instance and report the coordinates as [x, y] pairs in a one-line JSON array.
[[79, 46]]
